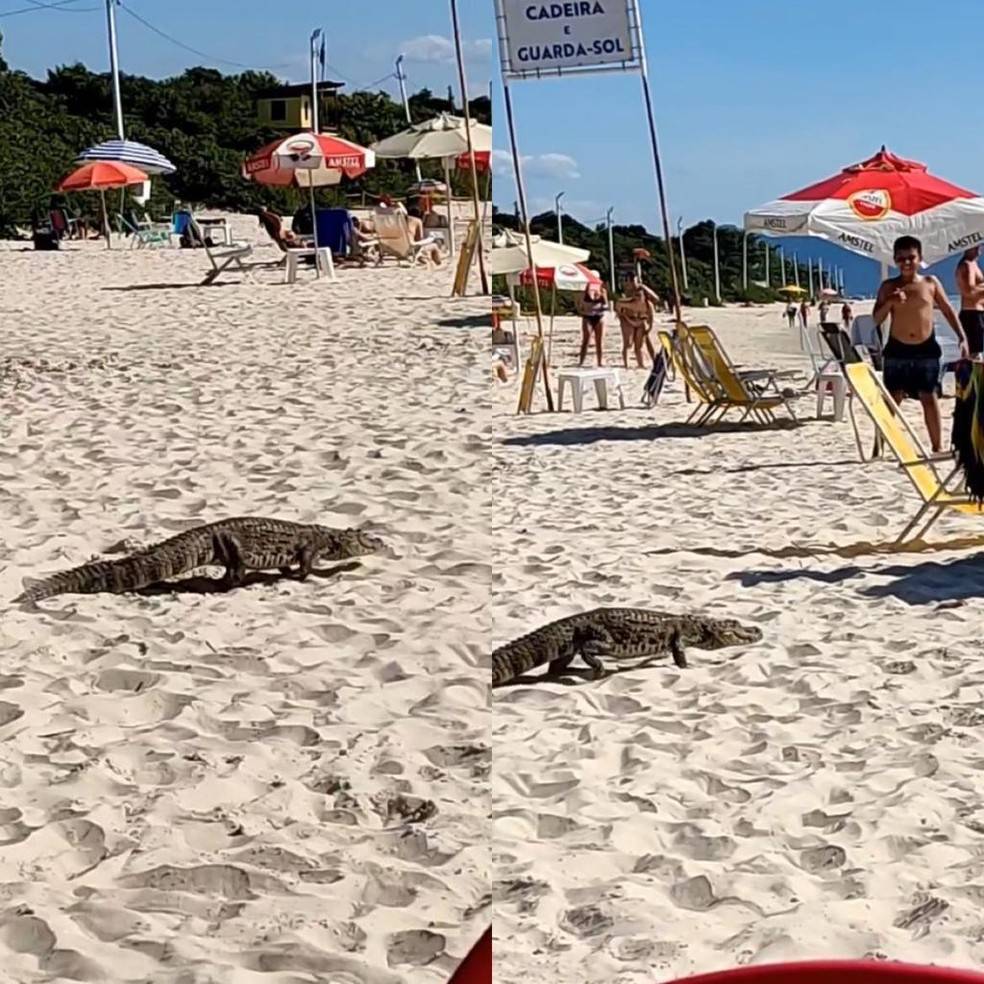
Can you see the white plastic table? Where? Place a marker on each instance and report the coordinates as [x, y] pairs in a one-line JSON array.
[[578, 380], [323, 259]]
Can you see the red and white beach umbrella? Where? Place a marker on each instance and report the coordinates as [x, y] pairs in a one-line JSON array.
[[308, 160], [868, 205], [570, 276]]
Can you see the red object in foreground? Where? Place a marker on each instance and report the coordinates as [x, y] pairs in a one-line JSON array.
[[838, 972], [476, 968]]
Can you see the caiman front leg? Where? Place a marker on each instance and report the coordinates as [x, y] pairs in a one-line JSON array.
[[305, 560], [228, 552]]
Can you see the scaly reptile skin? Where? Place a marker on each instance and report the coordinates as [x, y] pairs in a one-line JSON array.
[[616, 632], [240, 544]]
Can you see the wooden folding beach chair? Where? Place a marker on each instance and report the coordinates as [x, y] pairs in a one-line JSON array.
[[753, 390], [393, 236], [937, 491], [223, 259]]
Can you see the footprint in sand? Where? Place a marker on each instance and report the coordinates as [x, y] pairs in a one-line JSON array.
[[417, 947]]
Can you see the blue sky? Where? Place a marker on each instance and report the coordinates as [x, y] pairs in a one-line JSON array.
[[364, 38], [753, 99]]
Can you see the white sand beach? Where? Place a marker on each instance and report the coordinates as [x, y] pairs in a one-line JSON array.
[[817, 794], [288, 782]]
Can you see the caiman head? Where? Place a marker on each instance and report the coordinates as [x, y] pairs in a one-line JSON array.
[[716, 633], [350, 543]]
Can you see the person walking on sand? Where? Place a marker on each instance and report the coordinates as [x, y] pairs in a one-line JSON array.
[[592, 306], [791, 314], [805, 314], [970, 286], [824, 308], [635, 312], [847, 316], [913, 355]]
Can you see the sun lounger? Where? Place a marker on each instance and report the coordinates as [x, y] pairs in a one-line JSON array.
[[225, 258], [145, 233], [755, 391], [393, 236], [938, 492]]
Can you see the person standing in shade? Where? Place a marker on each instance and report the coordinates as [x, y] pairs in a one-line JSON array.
[[592, 306], [847, 316], [913, 357], [970, 286]]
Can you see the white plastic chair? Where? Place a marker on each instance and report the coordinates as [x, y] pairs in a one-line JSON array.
[[579, 379]]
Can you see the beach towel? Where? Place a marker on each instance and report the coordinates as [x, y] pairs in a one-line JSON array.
[[335, 230], [967, 438], [657, 378]]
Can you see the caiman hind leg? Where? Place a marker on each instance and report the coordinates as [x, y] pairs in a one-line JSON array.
[[591, 645], [305, 560], [676, 648], [228, 552]]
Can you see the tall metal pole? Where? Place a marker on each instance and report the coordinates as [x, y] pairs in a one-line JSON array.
[[114, 67], [406, 104], [782, 266], [717, 267], [809, 274], [820, 274], [314, 82], [683, 255], [744, 261], [768, 280], [560, 224], [611, 247], [466, 112], [660, 187], [796, 270]]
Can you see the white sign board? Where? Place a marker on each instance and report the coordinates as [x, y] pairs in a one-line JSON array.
[[540, 38]]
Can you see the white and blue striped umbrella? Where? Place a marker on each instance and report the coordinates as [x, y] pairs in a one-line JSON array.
[[128, 152]]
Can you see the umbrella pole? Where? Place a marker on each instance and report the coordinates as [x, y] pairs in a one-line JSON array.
[[553, 311], [447, 183], [106, 232], [314, 229]]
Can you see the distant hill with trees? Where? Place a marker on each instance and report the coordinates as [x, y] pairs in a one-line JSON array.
[[203, 121], [698, 246]]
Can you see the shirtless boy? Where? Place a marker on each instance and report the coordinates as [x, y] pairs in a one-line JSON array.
[[970, 286], [913, 355]]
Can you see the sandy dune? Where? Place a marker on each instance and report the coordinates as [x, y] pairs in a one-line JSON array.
[[818, 794], [288, 782]]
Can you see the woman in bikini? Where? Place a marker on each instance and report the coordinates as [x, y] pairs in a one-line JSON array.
[[635, 313], [593, 304]]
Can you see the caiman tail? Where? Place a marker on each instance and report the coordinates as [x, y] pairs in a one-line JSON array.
[[115, 576]]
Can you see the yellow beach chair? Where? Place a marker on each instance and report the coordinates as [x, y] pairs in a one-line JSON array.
[[673, 347], [937, 493], [755, 391]]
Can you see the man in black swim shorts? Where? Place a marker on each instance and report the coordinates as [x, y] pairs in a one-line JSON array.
[[913, 355], [970, 286]]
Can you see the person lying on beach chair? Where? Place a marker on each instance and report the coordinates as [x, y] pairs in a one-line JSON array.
[[396, 238], [284, 238]]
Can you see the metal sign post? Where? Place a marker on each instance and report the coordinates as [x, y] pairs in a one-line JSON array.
[[551, 40]]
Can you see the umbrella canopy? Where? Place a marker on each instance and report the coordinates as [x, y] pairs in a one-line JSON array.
[[442, 136], [569, 276], [128, 152], [483, 161], [100, 175], [307, 160], [868, 205], [791, 289], [509, 253]]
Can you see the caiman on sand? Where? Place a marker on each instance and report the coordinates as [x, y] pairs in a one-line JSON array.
[[240, 544], [621, 633]]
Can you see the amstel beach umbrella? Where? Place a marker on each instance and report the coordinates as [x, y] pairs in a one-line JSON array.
[[568, 276], [868, 205], [509, 253], [100, 176], [442, 137], [308, 160]]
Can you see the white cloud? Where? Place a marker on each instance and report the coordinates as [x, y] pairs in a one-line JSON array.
[[437, 48], [557, 166]]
